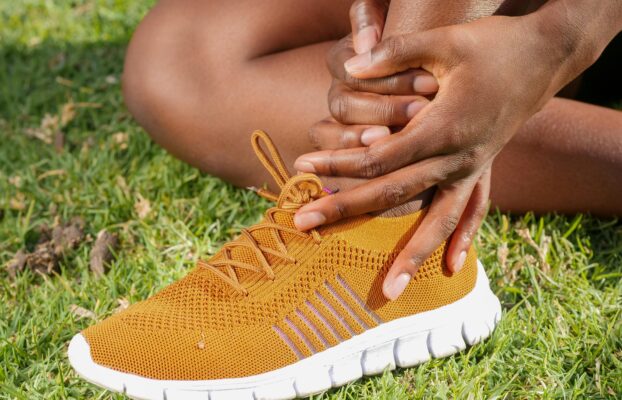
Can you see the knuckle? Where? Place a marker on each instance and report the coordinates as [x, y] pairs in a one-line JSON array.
[[341, 210], [397, 84], [465, 163], [416, 260], [313, 135], [333, 168], [452, 136], [471, 159], [370, 165], [339, 106], [393, 48], [353, 82], [454, 140], [336, 55], [460, 44], [448, 224], [334, 91], [393, 194], [384, 110]]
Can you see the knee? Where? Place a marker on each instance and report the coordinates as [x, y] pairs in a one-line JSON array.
[[171, 65], [143, 97], [152, 79]]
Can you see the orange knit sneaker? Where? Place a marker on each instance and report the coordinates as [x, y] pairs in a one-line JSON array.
[[279, 313]]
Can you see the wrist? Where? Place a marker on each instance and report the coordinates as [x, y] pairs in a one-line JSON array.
[[574, 34]]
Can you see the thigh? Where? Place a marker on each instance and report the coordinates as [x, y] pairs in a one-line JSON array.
[[201, 75], [253, 28]]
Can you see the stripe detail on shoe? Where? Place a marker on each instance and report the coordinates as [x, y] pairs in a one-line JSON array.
[[358, 300], [330, 313], [301, 336], [353, 322], [344, 304], [335, 314], [308, 331], [288, 342], [314, 329], [336, 337]]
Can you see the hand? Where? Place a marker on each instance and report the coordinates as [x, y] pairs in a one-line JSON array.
[[363, 109], [493, 74]]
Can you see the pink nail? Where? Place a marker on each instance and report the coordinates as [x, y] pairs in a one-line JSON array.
[[373, 134], [304, 166], [413, 108], [395, 288], [365, 39], [425, 83], [358, 63], [460, 262], [309, 220]]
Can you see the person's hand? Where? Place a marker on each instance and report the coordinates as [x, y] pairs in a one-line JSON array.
[[363, 110], [493, 74]]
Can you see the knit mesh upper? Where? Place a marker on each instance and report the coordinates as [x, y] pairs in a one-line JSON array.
[[197, 329], [200, 328]]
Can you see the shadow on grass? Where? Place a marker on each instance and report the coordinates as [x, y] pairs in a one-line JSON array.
[[605, 238], [35, 80]]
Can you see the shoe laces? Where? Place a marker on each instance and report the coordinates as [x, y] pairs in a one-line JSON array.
[[295, 191]]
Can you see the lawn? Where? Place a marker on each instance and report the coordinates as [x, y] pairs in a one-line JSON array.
[[69, 148]]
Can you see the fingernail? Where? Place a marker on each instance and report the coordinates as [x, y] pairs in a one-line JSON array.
[[425, 83], [413, 108], [460, 262], [309, 220], [358, 63], [394, 289], [365, 39], [304, 166], [373, 134]]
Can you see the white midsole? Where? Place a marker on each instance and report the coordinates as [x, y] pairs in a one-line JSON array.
[[399, 342]]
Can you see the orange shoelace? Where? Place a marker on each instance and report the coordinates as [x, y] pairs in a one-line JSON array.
[[295, 192]]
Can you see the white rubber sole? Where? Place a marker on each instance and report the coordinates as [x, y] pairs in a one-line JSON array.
[[404, 342]]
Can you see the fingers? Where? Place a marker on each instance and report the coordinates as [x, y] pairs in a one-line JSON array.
[[395, 54], [379, 194], [410, 82], [471, 219], [329, 134], [352, 107], [438, 224], [423, 137], [367, 18]]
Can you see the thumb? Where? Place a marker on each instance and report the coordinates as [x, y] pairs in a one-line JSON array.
[[367, 19], [394, 54]]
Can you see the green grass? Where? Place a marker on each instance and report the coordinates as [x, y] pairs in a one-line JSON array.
[[561, 336]]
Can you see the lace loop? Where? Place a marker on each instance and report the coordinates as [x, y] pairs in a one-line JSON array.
[[294, 192], [275, 164]]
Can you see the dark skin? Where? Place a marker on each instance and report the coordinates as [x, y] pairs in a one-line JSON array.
[[199, 97], [451, 142]]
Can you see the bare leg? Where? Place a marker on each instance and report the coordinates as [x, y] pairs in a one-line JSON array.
[[567, 158], [200, 76]]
